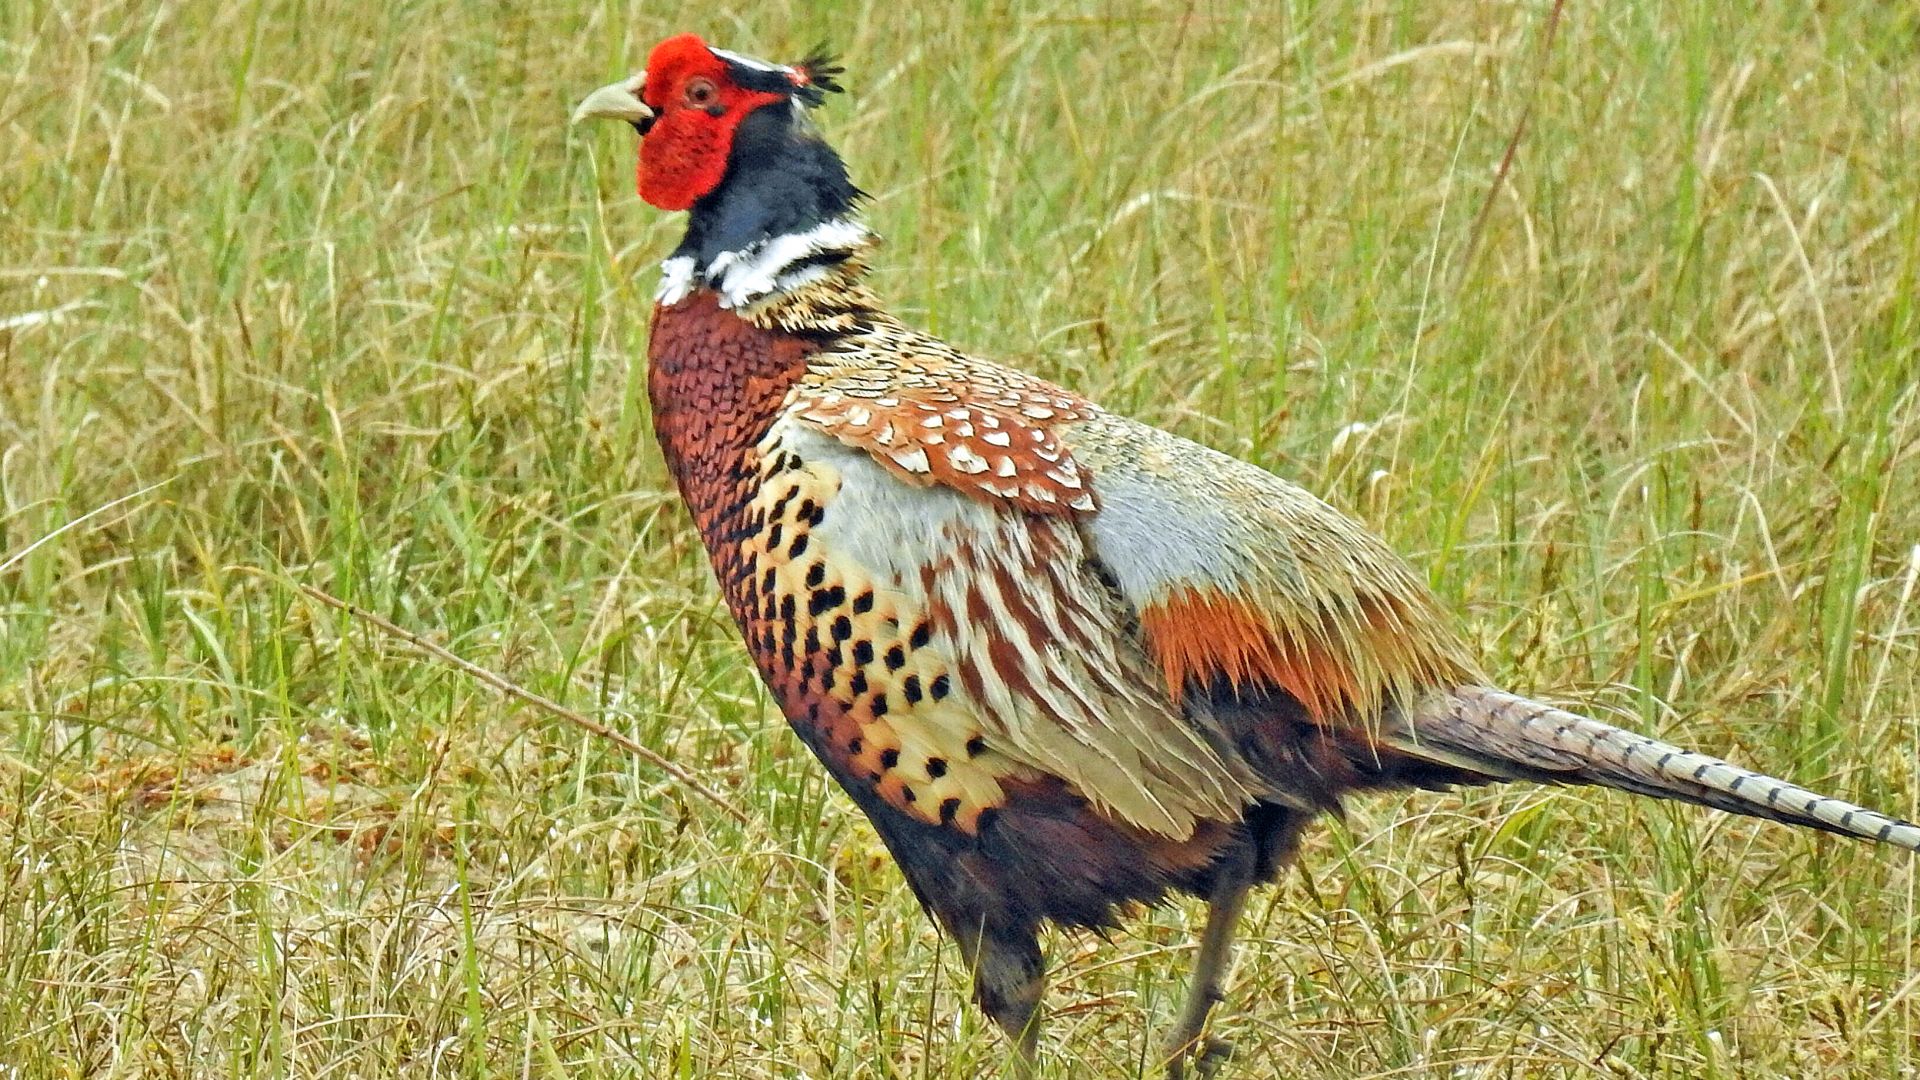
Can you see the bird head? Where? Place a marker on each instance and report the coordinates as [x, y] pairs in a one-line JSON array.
[[688, 106]]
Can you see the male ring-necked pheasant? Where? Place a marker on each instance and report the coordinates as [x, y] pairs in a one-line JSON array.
[[1065, 662]]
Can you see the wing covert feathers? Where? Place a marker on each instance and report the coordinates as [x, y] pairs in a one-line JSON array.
[[934, 416], [1041, 660], [1241, 578], [1540, 742], [1060, 686]]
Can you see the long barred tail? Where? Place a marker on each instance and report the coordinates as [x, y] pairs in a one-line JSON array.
[[1515, 736]]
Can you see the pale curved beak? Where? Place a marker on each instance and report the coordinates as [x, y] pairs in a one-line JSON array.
[[617, 101]]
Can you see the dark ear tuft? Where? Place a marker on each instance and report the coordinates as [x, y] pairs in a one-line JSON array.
[[819, 75]]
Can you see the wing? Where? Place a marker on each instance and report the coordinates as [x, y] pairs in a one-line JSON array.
[[934, 417], [957, 493], [1240, 578], [1084, 573], [1041, 663]]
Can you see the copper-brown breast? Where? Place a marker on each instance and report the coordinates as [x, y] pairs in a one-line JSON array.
[[847, 652], [716, 382]]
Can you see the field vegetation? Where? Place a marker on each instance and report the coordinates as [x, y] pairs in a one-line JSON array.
[[1607, 315]]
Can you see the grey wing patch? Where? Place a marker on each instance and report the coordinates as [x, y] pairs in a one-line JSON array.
[[1177, 513], [1320, 606]]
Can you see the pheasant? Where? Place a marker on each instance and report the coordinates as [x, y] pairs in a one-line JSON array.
[[1066, 663]]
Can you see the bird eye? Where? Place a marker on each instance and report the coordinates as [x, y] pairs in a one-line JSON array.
[[700, 93]]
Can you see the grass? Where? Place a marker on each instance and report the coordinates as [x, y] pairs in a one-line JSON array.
[[318, 293]]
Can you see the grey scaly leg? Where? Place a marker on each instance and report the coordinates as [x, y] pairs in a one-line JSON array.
[[1210, 968]]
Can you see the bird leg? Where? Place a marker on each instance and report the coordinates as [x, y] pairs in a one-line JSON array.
[[1008, 982], [1210, 968]]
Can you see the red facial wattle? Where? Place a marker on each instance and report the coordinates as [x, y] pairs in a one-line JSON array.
[[683, 156]]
